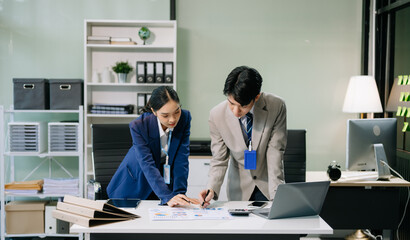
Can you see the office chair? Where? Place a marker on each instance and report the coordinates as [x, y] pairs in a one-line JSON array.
[[111, 143], [294, 159]]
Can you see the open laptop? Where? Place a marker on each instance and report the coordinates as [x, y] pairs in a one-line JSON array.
[[296, 200]]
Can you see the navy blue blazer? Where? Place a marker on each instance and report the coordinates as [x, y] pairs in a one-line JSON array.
[[138, 174]]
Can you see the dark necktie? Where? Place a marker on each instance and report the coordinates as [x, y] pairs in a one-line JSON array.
[[249, 122]]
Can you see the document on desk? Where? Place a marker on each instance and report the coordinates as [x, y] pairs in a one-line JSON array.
[[177, 214]]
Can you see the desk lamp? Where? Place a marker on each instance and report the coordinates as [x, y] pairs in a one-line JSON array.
[[362, 96], [396, 92]]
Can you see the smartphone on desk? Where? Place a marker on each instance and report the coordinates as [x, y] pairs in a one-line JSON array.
[[124, 202], [258, 204]]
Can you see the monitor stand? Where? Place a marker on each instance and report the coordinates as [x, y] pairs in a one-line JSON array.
[[382, 169]]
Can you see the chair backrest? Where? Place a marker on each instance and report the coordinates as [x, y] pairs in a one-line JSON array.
[[294, 159], [111, 143]]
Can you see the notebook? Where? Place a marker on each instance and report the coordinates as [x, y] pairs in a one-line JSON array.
[[296, 200]]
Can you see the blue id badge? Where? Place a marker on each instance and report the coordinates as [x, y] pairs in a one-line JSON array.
[[167, 174], [250, 159]]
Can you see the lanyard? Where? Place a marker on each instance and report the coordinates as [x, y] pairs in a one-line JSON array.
[[166, 151]]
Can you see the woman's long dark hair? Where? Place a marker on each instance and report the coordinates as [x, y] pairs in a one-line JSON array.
[[159, 97]]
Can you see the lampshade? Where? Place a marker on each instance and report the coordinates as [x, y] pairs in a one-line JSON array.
[[394, 98], [362, 96]]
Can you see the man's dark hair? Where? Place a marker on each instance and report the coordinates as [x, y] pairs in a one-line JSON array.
[[159, 97], [243, 84]]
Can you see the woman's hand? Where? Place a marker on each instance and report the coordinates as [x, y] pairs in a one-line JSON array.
[[182, 200]]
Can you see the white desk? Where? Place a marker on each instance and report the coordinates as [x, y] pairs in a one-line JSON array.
[[361, 204], [312, 176], [238, 228]]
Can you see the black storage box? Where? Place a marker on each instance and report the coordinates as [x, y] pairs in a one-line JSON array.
[[66, 93], [30, 93]]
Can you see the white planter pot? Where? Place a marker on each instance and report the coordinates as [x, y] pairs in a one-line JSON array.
[[122, 77]]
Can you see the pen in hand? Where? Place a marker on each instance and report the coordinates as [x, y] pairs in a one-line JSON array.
[[206, 195], [186, 200]]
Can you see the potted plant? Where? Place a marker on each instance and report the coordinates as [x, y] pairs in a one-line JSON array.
[[122, 69]]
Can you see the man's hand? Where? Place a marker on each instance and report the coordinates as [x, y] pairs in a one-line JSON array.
[[205, 196]]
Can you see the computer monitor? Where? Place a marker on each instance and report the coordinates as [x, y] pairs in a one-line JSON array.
[[368, 142]]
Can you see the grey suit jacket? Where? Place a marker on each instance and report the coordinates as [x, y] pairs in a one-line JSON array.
[[228, 145]]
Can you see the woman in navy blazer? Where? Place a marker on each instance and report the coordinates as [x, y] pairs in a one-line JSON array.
[[140, 175]]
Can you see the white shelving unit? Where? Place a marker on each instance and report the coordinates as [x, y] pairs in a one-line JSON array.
[[7, 158], [160, 47]]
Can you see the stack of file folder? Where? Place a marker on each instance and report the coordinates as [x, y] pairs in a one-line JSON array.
[[24, 187], [112, 108], [88, 213], [61, 186]]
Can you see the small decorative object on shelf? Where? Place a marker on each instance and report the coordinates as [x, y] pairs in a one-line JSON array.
[[95, 77], [122, 69], [144, 33], [106, 76]]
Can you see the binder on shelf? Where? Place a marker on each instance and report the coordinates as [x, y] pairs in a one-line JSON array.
[[159, 72], [111, 108], [141, 101], [168, 72], [50, 223], [150, 72], [140, 72], [63, 227]]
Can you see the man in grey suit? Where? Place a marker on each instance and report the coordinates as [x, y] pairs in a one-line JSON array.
[[247, 117]]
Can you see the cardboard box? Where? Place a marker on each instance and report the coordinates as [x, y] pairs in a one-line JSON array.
[[24, 217]]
